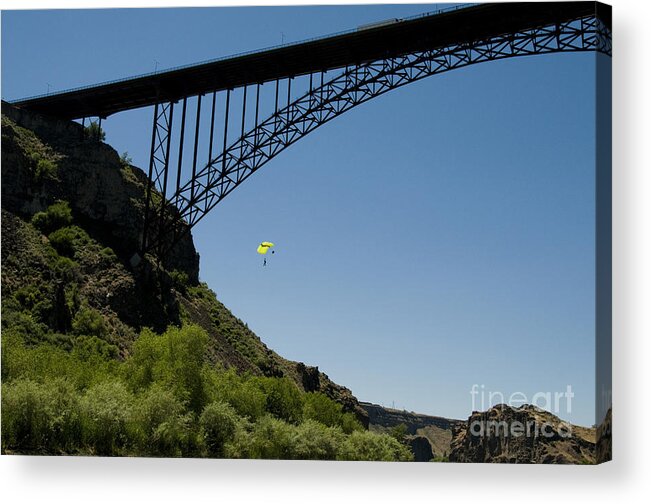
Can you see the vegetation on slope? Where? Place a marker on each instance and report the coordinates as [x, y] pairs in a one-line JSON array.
[[76, 379], [165, 400]]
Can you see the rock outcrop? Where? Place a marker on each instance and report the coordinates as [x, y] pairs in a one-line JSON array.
[[421, 448], [106, 195], [389, 417], [522, 435], [437, 431]]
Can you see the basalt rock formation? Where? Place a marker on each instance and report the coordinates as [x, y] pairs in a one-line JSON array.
[[521, 435], [436, 431]]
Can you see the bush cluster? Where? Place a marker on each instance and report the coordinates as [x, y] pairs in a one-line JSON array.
[[67, 240], [42, 168], [56, 216], [165, 399]]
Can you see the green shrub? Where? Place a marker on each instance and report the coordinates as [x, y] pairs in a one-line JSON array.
[[365, 445], [45, 169], [162, 427], [176, 437], [87, 348], [350, 423], [89, 322], [47, 361], [29, 296], [180, 280], [398, 432], [65, 269], [106, 411], [174, 359], [24, 324], [283, 398], [108, 254], [26, 413], [94, 132], [319, 407], [218, 423], [67, 240], [314, 441], [56, 216], [40, 417], [271, 439], [65, 419], [241, 393], [63, 241], [143, 365]]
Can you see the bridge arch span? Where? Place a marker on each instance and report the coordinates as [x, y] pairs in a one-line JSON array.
[[328, 99]]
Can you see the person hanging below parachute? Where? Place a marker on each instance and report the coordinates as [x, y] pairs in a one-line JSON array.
[[263, 248]]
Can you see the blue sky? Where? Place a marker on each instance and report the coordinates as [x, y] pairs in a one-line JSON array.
[[437, 237]]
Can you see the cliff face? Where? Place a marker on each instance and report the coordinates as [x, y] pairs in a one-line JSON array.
[[522, 435], [429, 436], [46, 160], [106, 195], [388, 417]]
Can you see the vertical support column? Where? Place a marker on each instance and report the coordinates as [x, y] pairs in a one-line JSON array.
[[311, 89], [212, 126], [149, 181], [257, 110], [321, 96], [228, 101], [179, 167], [243, 122], [289, 97], [166, 164], [158, 170], [276, 106], [194, 157]]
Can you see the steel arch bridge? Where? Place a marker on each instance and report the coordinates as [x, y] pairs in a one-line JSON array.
[[310, 84]]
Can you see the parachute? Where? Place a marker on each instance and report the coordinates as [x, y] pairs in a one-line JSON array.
[[264, 247]]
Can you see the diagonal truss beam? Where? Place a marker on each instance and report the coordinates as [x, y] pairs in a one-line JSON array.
[[158, 167], [354, 86]]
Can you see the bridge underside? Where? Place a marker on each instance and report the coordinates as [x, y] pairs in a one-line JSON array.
[[238, 121]]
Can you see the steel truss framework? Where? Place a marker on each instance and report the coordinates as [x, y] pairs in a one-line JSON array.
[[324, 101]]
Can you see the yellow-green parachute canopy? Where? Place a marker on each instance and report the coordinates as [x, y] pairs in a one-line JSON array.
[[264, 247]]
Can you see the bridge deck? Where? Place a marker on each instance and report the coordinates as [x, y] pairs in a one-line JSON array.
[[351, 48]]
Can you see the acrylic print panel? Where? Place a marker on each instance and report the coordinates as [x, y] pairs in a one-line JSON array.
[[416, 266]]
